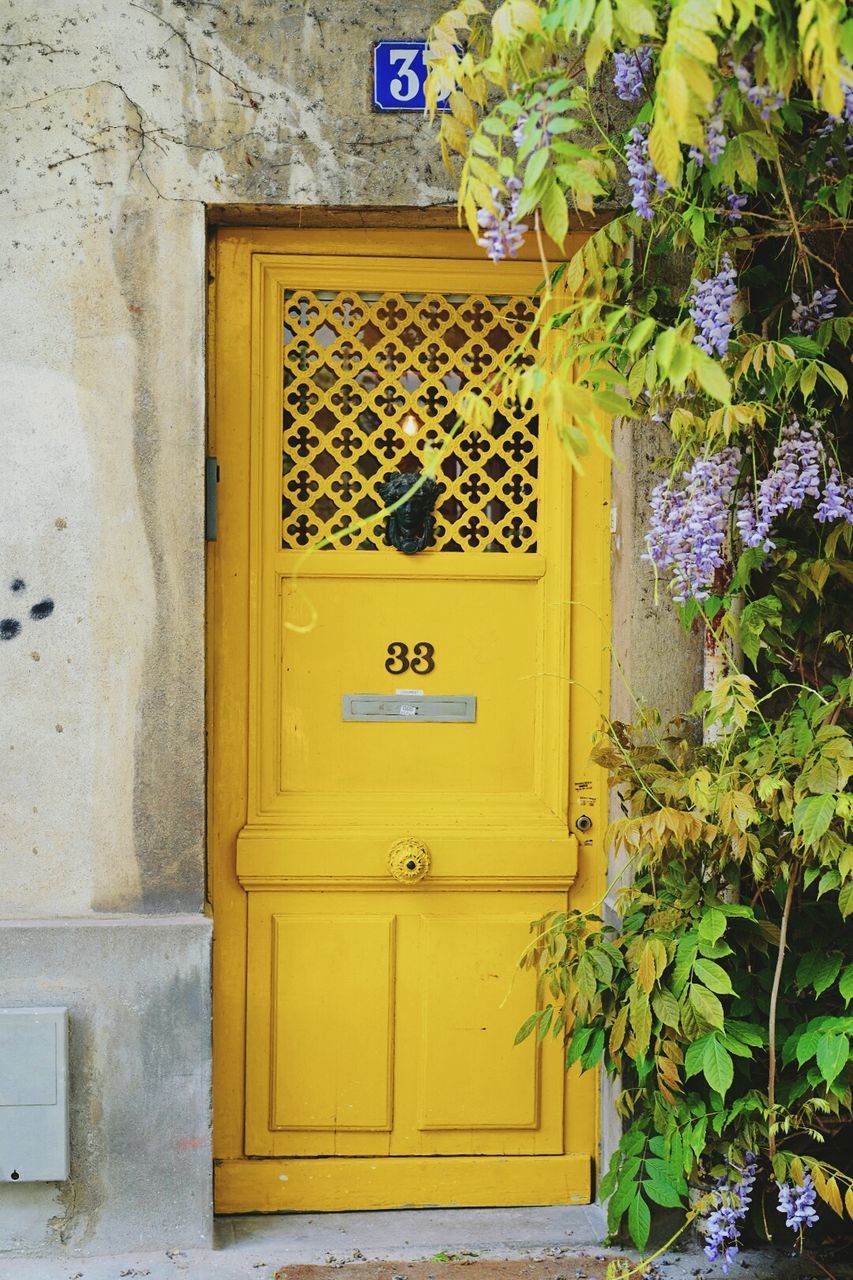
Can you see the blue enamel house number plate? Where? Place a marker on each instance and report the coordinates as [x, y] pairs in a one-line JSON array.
[[399, 75]]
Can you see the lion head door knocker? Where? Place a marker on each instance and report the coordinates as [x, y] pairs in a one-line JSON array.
[[409, 860], [410, 527]]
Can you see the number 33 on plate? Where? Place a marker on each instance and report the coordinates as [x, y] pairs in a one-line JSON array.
[[399, 76]]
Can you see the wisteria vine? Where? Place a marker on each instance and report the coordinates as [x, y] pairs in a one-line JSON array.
[[711, 299]]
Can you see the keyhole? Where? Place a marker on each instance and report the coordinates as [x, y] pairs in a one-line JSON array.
[[411, 865], [14, 1175]]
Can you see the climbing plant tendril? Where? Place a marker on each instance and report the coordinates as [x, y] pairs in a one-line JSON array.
[[706, 146]]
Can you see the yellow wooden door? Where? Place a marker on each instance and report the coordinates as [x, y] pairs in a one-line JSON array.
[[397, 748]]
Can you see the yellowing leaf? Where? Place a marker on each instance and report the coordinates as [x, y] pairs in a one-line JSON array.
[[832, 1196], [673, 88], [454, 134], [514, 18], [646, 969], [663, 148], [848, 1201]]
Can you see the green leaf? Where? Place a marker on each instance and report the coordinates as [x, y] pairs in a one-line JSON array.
[[706, 1006], [640, 334], [639, 1221], [694, 1056], [812, 817], [664, 348], [806, 1047], [714, 976], [819, 970], [585, 978], [592, 1054], [578, 1041], [712, 925], [665, 1007], [845, 985], [620, 1200], [711, 376], [662, 1193], [685, 954], [717, 1066], [527, 1026], [833, 1054], [845, 899], [555, 213], [755, 617], [822, 777]]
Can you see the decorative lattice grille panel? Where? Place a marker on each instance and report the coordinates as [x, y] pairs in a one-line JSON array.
[[371, 381]]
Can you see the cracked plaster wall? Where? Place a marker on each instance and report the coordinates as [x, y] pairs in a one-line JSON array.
[[121, 120]]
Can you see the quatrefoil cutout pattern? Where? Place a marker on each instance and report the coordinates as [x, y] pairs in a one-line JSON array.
[[355, 364]]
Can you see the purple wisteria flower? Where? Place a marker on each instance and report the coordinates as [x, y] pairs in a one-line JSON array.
[[687, 528], [762, 96], [799, 462], [797, 1203], [519, 127], [711, 308], [540, 115], [730, 1204], [630, 70], [715, 138], [503, 234], [837, 500], [806, 317], [643, 179], [736, 202]]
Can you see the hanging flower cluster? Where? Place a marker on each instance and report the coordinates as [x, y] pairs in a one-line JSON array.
[[503, 234], [711, 308], [797, 473], [762, 96], [797, 1204], [806, 317], [643, 179], [736, 202], [687, 528], [715, 139], [730, 1204], [631, 70]]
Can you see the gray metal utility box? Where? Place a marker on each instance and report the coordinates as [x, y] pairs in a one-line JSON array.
[[33, 1095]]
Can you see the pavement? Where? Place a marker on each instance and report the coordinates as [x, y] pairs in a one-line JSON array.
[[257, 1247]]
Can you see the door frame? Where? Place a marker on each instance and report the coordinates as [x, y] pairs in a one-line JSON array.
[[237, 1178]]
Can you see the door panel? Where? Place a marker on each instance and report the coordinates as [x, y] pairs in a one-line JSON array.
[[364, 1025], [470, 1076], [391, 1031], [332, 1021], [485, 642]]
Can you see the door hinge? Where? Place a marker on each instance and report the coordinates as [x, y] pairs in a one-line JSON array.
[[211, 481]]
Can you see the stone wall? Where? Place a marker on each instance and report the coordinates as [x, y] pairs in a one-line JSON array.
[[124, 122]]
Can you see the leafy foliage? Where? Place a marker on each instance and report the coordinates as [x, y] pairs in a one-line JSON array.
[[710, 297]]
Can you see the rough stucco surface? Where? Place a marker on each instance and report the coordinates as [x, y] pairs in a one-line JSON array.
[[137, 995], [120, 121]]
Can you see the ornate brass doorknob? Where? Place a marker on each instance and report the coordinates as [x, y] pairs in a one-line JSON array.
[[409, 860]]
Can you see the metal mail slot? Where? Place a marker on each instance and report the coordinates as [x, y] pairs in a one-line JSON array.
[[410, 707]]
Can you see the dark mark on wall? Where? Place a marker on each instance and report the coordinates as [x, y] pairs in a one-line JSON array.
[[11, 627]]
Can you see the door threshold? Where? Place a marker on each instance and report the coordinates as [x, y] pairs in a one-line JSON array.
[[409, 1234]]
